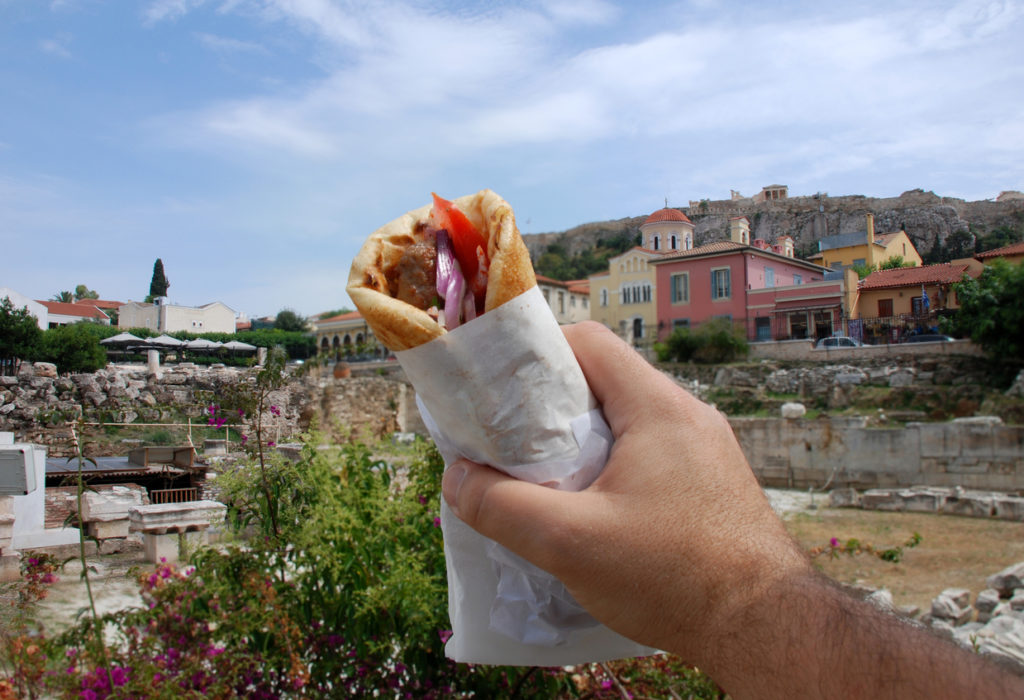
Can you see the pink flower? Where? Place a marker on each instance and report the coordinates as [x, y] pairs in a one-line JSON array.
[[241, 413], [244, 438], [275, 410], [211, 421], [271, 443], [437, 522], [606, 684], [445, 635], [834, 542]]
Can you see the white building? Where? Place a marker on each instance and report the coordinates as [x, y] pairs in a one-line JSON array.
[[20, 301], [214, 317]]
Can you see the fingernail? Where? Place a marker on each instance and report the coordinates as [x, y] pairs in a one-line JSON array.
[[450, 483]]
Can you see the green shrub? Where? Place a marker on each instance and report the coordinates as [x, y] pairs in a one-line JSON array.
[[712, 342], [73, 348]]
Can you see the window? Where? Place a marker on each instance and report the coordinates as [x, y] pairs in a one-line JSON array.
[[586, 301], [720, 284], [798, 279], [680, 288], [859, 262], [604, 297], [657, 242], [763, 327], [561, 302], [885, 307], [917, 305], [769, 277], [675, 242], [798, 325], [836, 266], [572, 302], [678, 323]]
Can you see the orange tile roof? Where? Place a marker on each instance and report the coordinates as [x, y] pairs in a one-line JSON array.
[[65, 309], [666, 215], [579, 287], [350, 316], [707, 248], [1012, 249], [944, 273], [102, 303], [541, 279]]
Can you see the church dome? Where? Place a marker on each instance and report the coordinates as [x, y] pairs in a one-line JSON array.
[[666, 215]]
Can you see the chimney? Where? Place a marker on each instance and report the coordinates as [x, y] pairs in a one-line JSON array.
[[870, 220], [739, 230]]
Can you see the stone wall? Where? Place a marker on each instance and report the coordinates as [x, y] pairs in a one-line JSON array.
[[804, 350], [975, 453], [36, 405]]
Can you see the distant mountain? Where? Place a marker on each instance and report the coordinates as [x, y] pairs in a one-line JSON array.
[[941, 228]]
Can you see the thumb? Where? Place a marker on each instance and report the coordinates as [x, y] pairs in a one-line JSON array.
[[531, 520]]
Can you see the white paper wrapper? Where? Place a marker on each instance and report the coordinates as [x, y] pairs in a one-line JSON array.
[[506, 390]]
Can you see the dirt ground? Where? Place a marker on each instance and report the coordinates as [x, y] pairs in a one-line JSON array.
[[955, 552]]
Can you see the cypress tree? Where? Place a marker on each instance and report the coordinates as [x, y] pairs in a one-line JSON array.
[[158, 287]]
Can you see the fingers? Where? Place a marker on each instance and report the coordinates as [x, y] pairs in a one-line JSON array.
[[524, 517], [624, 383]]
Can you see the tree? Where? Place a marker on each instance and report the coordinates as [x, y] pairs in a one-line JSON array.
[[19, 337], [289, 320], [83, 292], [73, 349], [896, 262], [991, 313], [159, 284], [65, 297]]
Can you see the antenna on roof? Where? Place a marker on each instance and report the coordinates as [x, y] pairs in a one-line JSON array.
[[666, 202]]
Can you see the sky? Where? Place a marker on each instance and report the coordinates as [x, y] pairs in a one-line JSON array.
[[252, 145]]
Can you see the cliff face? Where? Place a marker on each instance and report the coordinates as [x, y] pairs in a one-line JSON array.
[[927, 218]]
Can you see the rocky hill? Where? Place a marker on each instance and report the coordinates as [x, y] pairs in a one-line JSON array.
[[936, 225]]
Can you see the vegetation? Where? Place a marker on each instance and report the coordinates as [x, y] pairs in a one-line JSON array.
[[73, 348], [892, 263], [991, 313], [159, 283], [967, 243], [83, 292], [715, 341], [65, 297], [332, 584], [20, 337], [289, 320], [556, 262]]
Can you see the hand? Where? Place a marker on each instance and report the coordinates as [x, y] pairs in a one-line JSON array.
[[674, 534]]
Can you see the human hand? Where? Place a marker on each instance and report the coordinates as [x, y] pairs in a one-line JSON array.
[[672, 540]]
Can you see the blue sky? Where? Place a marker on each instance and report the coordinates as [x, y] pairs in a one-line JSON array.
[[253, 144]]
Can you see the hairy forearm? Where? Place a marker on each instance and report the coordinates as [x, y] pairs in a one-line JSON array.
[[807, 638]]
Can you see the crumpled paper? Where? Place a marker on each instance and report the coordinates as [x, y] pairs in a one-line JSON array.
[[506, 390]]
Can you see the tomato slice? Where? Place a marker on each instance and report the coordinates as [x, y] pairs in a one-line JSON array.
[[466, 242]]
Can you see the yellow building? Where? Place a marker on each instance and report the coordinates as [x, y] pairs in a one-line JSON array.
[[624, 297], [865, 248], [1013, 254]]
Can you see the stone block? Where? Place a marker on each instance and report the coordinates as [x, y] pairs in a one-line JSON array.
[[45, 369], [107, 529], [163, 518], [10, 567], [162, 548], [968, 504], [1017, 601], [844, 498], [792, 410], [901, 378], [110, 505], [920, 501], [987, 600], [1008, 507], [1008, 580], [881, 499]]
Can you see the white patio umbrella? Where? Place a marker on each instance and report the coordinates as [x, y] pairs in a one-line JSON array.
[[203, 344], [122, 339], [165, 341], [234, 345]]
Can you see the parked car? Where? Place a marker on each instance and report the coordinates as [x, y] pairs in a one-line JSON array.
[[928, 338], [838, 341]]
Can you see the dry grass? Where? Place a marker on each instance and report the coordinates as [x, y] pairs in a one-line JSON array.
[[954, 552]]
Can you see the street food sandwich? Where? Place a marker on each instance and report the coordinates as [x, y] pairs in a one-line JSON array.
[[440, 266]]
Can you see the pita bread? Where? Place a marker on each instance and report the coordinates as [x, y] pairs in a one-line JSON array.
[[402, 326]]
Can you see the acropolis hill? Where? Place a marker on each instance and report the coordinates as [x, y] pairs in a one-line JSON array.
[[926, 217]]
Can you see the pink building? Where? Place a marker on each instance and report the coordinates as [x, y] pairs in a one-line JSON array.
[[747, 284]]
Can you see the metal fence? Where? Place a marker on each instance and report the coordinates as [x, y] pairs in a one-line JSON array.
[[174, 495]]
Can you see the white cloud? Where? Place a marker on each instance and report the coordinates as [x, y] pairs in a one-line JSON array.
[[165, 10], [227, 44], [57, 46]]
